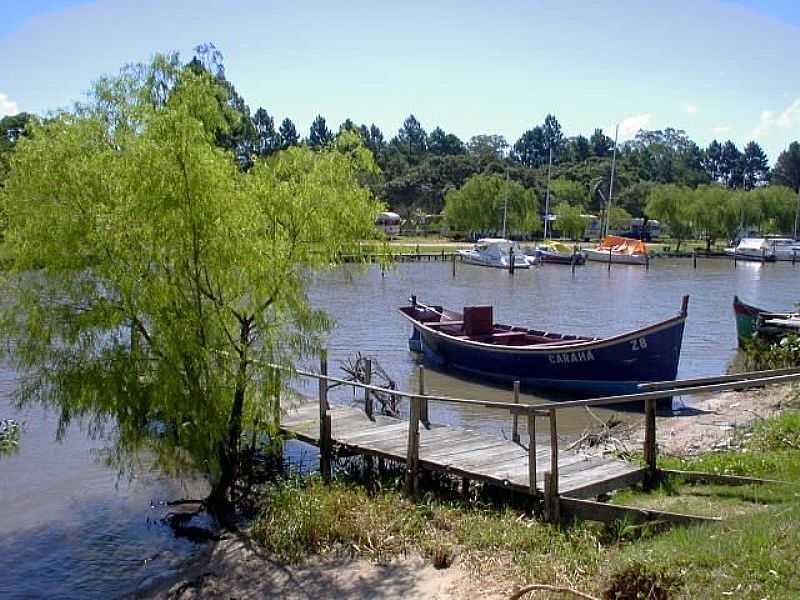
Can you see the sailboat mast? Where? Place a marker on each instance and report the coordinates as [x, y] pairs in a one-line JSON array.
[[547, 196], [611, 183], [797, 215]]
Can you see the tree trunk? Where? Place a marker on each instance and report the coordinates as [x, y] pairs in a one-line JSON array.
[[219, 501], [678, 246]]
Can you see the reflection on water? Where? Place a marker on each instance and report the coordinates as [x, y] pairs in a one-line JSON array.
[[70, 528]]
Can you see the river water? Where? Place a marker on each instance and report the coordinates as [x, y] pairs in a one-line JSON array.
[[70, 527]]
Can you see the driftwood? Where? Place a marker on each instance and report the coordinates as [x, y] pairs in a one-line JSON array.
[[357, 368], [550, 588]]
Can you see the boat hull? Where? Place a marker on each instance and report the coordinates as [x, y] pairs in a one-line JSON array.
[[602, 367], [746, 319], [755, 257], [470, 259], [615, 258], [560, 258]]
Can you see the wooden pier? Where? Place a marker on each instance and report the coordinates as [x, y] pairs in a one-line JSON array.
[[563, 482]]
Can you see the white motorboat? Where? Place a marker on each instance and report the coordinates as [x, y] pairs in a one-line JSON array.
[[619, 250], [495, 252], [785, 248], [752, 249]]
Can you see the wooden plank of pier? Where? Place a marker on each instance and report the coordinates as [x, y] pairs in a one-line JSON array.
[[464, 452]]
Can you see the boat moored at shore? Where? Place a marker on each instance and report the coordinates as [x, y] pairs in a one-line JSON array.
[[619, 250], [495, 252], [752, 249], [471, 342]]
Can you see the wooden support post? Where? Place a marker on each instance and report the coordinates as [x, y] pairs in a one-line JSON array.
[[532, 453], [609, 260], [794, 257], [412, 450], [763, 256], [423, 404], [465, 486], [454, 266], [694, 258], [324, 420], [515, 416], [734, 258], [368, 402], [650, 441], [551, 477], [554, 448], [511, 261]]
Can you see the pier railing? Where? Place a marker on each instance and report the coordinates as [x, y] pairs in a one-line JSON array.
[[418, 414]]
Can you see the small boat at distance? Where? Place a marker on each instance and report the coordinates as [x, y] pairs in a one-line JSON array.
[[495, 252], [619, 250], [785, 248], [752, 249], [752, 321], [471, 342], [556, 253]]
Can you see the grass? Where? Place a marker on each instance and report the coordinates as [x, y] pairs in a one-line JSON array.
[[751, 554]]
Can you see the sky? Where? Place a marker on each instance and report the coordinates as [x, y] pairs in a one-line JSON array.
[[718, 69]]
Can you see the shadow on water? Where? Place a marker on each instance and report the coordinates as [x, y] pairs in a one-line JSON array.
[[101, 549]]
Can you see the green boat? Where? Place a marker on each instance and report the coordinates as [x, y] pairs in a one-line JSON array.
[[751, 320]]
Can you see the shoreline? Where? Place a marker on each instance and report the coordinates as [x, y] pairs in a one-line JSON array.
[[237, 567]]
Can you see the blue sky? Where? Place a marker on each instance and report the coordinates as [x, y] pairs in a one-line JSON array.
[[718, 69]]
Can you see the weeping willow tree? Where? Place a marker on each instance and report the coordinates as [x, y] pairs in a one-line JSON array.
[[484, 201], [150, 278]]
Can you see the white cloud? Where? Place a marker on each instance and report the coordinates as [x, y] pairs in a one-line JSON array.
[[7, 106], [721, 129], [630, 126], [786, 119], [691, 108]]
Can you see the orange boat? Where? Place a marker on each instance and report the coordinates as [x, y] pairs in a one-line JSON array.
[[622, 250]]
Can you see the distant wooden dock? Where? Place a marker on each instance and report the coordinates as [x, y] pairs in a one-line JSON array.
[[561, 481]]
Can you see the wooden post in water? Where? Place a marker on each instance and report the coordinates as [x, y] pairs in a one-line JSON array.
[[551, 477], [454, 266], [511, 261], [531, 453], [609, 260], [794, 256], [324, 419], [763, 256], [650, 441], [412, 450], [368, 402], [694, 258], [423, 404], [515, 416], [734, 258]]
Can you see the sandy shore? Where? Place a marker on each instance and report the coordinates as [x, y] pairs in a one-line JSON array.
[[709, 422], [236, 568]]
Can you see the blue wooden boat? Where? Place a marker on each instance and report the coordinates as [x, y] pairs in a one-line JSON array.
[[471, 342]]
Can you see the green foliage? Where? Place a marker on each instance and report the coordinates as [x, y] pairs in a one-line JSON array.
[[570, 220], [787, 168], [571, 192], [168, 274], [762, 355], [671, 205], [9, 436], [479, 205]]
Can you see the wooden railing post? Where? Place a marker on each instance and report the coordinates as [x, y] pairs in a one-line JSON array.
[[324, 419], [412, 451], [551, 478], [515, 416], [650, 441], [423, 404], [531, 452], [368, 403]]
